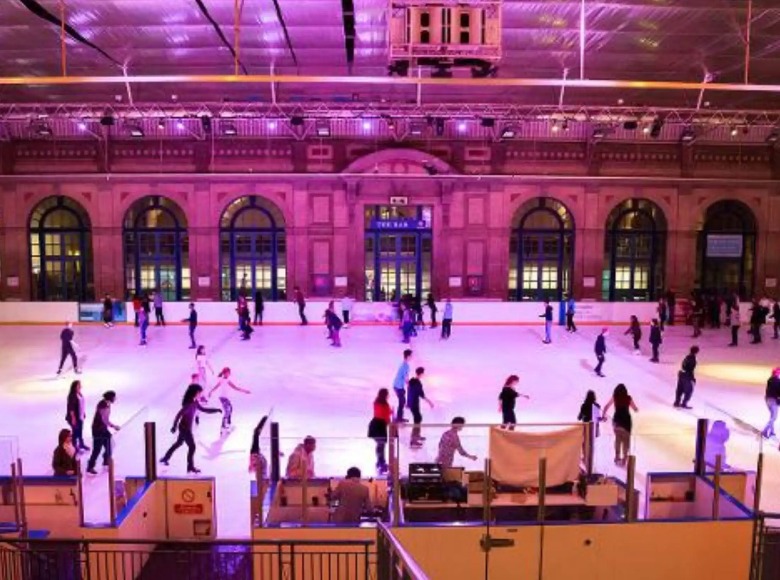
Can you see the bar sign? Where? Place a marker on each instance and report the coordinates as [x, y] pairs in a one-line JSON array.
[[396, 200]]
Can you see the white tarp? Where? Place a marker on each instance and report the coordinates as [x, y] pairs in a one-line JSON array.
[[514, 456]]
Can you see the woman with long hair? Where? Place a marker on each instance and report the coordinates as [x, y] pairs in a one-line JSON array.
[[190, 405], [377, 427], [224, 384], [590, 412], [75, 415], [203, 365], [507, 399], [621, 422], [635, 330]]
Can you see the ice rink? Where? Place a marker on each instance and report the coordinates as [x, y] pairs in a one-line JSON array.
[[327, 392]]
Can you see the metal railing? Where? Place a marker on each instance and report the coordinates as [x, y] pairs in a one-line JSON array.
[[228, 560], [393, 561]]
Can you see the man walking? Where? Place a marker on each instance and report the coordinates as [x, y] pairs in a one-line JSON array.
[[446, 321], [772, 400], [735, 320], [101, 435], [686, 379], [601, 349], [301, 302], [399, 386], [655, 339], [193, 324], [68, 350], [570, 310], [143, 324], [158, 309], [548, 320]]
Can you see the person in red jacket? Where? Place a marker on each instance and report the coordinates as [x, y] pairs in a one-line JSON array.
[[377, 427]]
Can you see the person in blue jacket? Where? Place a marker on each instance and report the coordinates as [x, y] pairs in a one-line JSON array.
[[570, 310]]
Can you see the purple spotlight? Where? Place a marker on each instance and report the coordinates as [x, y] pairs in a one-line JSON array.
[[366, 125], [272, 125], [462, 126], [82, 126], [179, 124]]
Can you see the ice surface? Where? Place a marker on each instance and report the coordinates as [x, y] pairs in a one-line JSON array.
[[328, 392]]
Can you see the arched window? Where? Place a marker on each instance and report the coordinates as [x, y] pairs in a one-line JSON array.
[[156, 249], [634, 252], [61, 251], [541, 248], [253, 249], [727, 249]]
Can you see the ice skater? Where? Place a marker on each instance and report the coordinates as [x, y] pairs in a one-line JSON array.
[[301, 302], [635, 330], [158, 309], [663, 312], [143, 325], [407, 324], [590, 412], [431, 303], [377, 428], [415, 394], [68, 348], [258, 464], [507, 400], [686, 380], [548, 320], [244, 318], [446, 321], [571, 308], [735, 321], [621, 422], [184, 420], [776, 319], [108, 311], [75, 413], [399, 386], [192, 324], [346, 309], [772, 398], [259, 307], [655, 339], [600, 348], [334, 325], [223, 385], [450, 443], [203, 366], [101, 431]]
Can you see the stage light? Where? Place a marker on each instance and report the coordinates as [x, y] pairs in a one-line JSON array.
[[646, 129], [734, 131], [82, 126], [229, 129], [296, 121], [772, 138], [655, 129], [555, 127], [135, 131], [462, 126], [599, 133], [508, 132], [205, 122], [161, 124], [43, 130], [416, 129], [180, 125], [323, 129], [366, 125], [688, 135], [272, 125], [487, 122]]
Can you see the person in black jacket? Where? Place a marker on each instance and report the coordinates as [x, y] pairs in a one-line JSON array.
[[68, 350], [601, 349], [686, 379], [772, 401], [635, 330], [190, 405], [259, 307], [108, 312], [193, 324], [548, 320], [63, 460], [75, 414], [431, 303], [776, 319], [101, 434], [655, 339]]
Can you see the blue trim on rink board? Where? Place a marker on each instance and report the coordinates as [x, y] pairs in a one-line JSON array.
[[738, 504], [132, 502], [42, 479]]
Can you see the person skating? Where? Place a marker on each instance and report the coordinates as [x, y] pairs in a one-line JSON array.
[[75, 413], [223, 385], [735, 319], [192, 324], [257, 461], [203, 366], [101, 431], [656, 338], [378, 426], [416, 393], [184, 421], [159, 315], [399, 385], [507, 400], [772, 398], [621, 422], [671, 303], [776, 319], [244, 318], [416, 305], [697, 314], [663, 313], [756, 312], [600, 349], [686, 379], [63, 460], [259, 307], [143, 325], [590, 412], [346, 308], [334, 324], [137, 305], [635, 330], [108, 311], [571, 309], [431, 303], [446, 321], [68, 348], [450, 443], [548, 320], [407, 324], [301, 302]]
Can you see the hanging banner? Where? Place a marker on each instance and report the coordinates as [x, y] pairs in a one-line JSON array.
[[400, 224], [724, 246]]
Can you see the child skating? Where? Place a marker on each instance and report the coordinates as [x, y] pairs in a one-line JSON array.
[[223, 386]]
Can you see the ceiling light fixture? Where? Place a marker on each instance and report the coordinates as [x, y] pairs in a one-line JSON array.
[[135, 131], [323, 129], [229, 129], [508, 132], [688, 135]]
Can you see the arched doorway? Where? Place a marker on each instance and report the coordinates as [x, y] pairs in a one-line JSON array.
[[60, 251], [634, 252], [156, 249], [541, 250], [726, 249], [252, 249]]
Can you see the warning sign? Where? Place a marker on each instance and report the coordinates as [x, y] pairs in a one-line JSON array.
[[193, 509], [188, 496]]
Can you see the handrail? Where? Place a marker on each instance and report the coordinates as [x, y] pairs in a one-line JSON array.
[[412, 567], [190, 544]]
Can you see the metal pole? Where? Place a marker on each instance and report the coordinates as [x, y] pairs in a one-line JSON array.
[[487, 485], [63, 44], [583, 39], [150, 449], [630, 491], [747, 40], [305, 492], [542, 490], [759, 482], [111, 492], [260, 492], [395, 478], [80, 491], [15, 492], [22, 503], [699, 465], [716, 492], [590, 447], [275, 452]]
